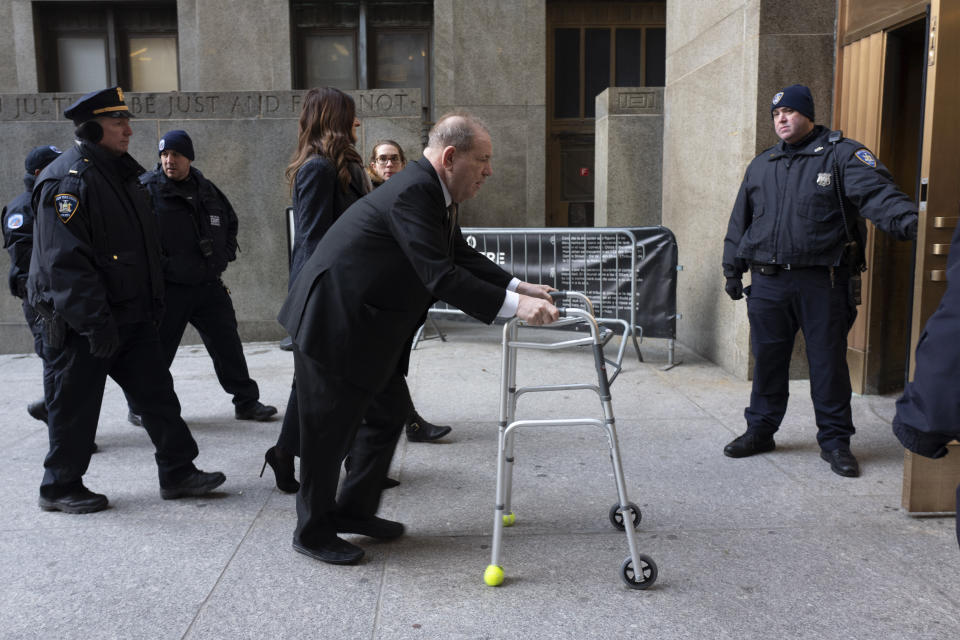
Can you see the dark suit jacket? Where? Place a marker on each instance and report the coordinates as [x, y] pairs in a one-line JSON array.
[[359, 299], [318, 201]]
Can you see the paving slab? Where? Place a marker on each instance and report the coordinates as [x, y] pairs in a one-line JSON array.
[[774, 545]]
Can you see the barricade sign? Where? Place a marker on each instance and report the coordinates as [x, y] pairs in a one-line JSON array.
[[630, 274]]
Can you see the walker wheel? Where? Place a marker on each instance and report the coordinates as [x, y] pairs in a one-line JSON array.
[[616, 515], [642, 579], [509, 519], [493, 575]]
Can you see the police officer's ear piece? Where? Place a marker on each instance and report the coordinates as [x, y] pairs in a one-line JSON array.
[[91, 130]]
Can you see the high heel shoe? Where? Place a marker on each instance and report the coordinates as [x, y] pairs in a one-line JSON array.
[[282, 466]]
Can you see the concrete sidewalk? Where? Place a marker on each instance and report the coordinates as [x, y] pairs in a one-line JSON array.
[[765, 547]]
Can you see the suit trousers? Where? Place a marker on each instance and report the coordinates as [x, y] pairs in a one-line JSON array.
[[74, 393], [289, 439], [818, 303], [337, 417], [208, 308]]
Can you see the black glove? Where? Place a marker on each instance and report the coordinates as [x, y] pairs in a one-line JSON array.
[[104, 342], [912, 231], [734, 288]]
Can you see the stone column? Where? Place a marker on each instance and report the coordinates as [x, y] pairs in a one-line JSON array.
[[628, 157], [234, 46], [490, 59], [725, 61]]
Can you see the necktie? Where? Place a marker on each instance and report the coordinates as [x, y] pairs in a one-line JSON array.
[[452, 220]]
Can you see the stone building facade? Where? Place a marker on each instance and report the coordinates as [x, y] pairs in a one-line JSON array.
[[238, 65]]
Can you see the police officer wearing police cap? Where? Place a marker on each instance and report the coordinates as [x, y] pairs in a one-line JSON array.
[[796, 226], [96, 279], [198, 235], [18, 241]]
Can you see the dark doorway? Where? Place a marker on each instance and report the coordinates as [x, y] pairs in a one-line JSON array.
[[900, 146]]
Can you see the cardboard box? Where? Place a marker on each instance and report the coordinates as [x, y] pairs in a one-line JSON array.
[[930, 486]]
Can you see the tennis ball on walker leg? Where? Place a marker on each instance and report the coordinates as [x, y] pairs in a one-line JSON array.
[[493, 576]]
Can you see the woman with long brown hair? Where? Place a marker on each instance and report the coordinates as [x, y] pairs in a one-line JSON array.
[[326, 176]]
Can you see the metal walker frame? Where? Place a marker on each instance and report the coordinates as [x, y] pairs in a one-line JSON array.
[[638, 571]]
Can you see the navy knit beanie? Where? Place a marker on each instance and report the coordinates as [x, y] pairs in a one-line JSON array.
[[178, 141], [796, 97]]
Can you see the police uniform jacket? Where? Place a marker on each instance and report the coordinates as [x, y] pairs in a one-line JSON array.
[[187, 211], [360, 297], [928, 413], [96, 252], [18, 237], [787, 210]]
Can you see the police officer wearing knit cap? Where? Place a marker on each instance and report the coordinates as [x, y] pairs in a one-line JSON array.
[[18, 241], [198, 235], [796, 226], [96, 280]]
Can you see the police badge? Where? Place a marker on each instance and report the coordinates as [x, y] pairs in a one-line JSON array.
[[823, 179], [67, 205]]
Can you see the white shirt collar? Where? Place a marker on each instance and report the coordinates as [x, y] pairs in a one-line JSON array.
[[446, 193]]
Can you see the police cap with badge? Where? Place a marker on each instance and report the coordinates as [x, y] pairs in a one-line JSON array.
[[106, 103]]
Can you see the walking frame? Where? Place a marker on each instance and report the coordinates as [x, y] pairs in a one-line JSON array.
[[638, 571]]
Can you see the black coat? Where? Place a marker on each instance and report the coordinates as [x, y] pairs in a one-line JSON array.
[[928, 413], [318, 200], [187, 212], [787, 211], [96, 248], [18, 237], [360, 297]]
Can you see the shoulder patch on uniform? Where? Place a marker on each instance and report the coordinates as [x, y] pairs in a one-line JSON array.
[[866, 158], [67, 205], [15, 221]]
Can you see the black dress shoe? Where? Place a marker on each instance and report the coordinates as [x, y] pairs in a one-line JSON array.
[[373, 527], [419, 430], [282, 464], [134, 419], [38, 410], [390, 483], [337, 551], [80, 500], [257, 411], [197, 483], [842, 462], [749, 444]]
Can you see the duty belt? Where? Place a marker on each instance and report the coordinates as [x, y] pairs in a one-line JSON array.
[[771, 269]]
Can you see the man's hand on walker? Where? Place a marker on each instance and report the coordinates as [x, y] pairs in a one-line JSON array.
[[541, 291], [535, 311]]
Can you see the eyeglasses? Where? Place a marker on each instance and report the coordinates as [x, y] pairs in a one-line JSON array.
[[394, 159]]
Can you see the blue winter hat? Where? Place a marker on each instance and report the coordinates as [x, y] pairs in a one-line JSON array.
[[796, 97], [177, 140], [39, 157]]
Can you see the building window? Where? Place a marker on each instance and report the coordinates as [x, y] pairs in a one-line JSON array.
[[83, 47], [362, 44], [587, 60]]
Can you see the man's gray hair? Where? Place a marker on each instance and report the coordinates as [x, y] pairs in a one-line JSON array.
[[456, 129]]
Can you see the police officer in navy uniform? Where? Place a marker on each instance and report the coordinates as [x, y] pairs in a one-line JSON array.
[[18, 241], [96, 280], [802, 244], [198, 235]]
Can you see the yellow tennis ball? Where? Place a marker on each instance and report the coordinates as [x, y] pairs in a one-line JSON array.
[[493, 575], [509, 519]]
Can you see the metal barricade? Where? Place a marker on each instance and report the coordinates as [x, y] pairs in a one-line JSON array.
[[630, 273]]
